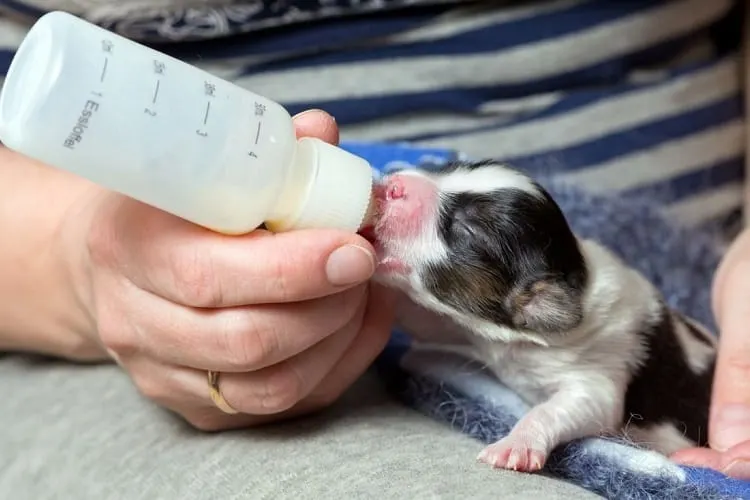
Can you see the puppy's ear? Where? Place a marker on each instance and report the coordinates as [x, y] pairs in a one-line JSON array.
[[546, 306]]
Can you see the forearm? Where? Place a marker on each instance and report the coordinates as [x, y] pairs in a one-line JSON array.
[[40, 308]]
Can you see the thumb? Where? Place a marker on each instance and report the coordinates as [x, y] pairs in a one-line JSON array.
[[193, 266], [730, 412]]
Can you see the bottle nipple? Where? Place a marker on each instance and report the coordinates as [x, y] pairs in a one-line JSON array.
[[339, 192], [371, 214]]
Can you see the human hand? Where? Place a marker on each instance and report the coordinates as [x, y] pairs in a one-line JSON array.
[[289, 320], [729, 428]]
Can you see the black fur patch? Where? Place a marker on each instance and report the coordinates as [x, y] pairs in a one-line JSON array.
[[665, 388], [514, 260]]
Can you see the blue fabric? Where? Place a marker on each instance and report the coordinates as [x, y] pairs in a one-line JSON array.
[[681, 263]]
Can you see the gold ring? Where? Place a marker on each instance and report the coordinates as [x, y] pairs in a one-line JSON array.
[[216, 397]]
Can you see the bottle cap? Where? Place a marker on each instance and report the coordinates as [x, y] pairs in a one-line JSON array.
[[340, 188]]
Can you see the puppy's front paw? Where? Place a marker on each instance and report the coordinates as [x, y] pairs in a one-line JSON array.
[[513, 453]]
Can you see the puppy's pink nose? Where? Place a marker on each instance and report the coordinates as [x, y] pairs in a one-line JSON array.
[[396, 190], [409, 202]]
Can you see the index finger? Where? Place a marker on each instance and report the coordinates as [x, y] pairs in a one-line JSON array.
[[316, 123]]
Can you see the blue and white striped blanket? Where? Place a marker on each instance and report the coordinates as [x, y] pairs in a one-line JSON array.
[[630, 112], [637, 96]]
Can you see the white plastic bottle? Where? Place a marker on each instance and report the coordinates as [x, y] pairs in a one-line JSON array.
[[133, 120]]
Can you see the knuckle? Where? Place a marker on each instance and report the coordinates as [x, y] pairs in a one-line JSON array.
[[152, 388], [249, 344], [292, 273], [280, 275], [117, 338], [283, 389], [196, 281]]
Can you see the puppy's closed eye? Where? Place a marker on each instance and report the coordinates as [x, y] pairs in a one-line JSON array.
[[473, 222]]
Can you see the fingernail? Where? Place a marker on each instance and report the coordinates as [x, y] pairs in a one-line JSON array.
[[731, 426], [307, 112], [350, 265], [739, 469]]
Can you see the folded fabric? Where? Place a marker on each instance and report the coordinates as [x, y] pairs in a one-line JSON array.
[[187, 20], [679, 261]]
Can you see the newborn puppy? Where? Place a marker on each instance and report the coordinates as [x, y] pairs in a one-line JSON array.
[[587, 341]]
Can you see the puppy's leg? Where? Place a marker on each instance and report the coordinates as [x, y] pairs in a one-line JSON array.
[[572, 412]]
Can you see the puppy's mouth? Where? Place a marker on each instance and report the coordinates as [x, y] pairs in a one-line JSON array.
[[368, 233], [376, 229], [373, 215]]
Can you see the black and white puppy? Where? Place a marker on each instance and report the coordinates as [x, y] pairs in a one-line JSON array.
[[586, 340]]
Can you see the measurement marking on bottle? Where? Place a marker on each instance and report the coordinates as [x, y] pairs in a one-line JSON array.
[[208, 110], [257, 134], [104, 69], [156, 91]]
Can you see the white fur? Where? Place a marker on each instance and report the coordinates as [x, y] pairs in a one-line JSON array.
[[485, 180], [664, 438], [576, 382]]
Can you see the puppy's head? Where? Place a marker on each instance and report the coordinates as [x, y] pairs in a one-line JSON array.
[[482, 243]]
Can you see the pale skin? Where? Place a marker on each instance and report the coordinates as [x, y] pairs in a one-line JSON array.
[[290, 320], [729, 430], [91, 276]]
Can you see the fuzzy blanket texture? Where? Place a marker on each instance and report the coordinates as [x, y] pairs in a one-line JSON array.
[[679, 261]]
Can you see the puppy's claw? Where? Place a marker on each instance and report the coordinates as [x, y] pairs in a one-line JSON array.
[[510, 455]]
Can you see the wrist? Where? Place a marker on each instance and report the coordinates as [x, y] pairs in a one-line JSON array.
[[70, 236], [41, 297]]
